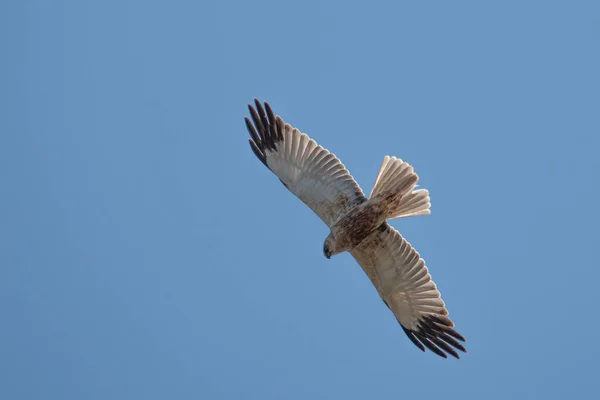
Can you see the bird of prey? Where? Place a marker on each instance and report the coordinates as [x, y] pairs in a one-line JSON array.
[[359, 224]]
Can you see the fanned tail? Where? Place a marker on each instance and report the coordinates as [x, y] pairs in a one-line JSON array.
[[394, 188]]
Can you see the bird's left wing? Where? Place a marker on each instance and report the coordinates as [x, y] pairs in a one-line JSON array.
[[403, 282], [309, 171]]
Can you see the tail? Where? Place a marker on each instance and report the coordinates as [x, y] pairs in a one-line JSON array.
[[394, 188]]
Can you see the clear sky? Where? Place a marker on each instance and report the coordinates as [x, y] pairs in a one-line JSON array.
[[145, 253]]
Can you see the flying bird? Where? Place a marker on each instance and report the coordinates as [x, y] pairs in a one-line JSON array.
[[359, 224]]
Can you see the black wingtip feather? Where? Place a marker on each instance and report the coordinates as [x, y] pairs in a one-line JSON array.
[[265, 123], [430, 345], [435, 334], [451, 341], [457, 335], [252, 130], [272, 122], [446, 324], [412, 338], [280, 128], [444, 346], [257, 122], [445, 333], [265, 129], [257, 152]]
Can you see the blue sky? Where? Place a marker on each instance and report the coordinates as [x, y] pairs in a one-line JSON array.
[[145, 253]]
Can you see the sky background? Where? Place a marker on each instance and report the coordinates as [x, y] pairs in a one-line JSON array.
[[145, 253]]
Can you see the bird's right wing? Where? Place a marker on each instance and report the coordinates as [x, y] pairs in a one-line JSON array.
[[312, 173], [403, 282]]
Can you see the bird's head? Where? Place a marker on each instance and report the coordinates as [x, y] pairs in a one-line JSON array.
[[327, 247], [326, 251]]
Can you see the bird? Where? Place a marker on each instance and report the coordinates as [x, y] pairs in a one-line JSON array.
[[358, 224]]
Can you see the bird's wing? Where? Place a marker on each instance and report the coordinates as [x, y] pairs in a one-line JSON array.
[[404, 283], [309, 171]]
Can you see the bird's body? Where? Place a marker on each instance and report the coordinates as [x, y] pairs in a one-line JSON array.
[[359, 224], [355, 226]]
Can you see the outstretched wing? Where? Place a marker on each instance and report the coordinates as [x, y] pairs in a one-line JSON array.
[[309, 171], [404, 283]]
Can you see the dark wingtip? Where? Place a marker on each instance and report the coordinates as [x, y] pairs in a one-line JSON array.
[[457, 335], [258, 153], [445, 324], [264, 128], [257, 122], [272, 123], [412, 338], [444, 346], [252, 131], [437, 335], [423, 339]]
